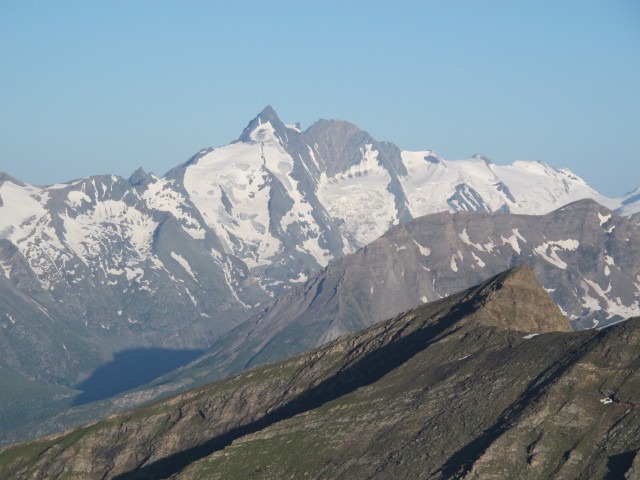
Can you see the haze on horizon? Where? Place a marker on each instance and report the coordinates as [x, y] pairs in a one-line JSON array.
[[94, 88]]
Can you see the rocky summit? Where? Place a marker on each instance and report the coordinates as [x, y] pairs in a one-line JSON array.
[[486, 383]]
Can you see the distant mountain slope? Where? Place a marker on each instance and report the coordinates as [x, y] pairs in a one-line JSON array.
[[487, 382], [587, 257]]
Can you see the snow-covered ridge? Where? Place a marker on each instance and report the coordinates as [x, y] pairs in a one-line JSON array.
[[522, 187]]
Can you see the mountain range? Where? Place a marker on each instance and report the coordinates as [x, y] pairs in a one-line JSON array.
[[170, 267], [490, 382]]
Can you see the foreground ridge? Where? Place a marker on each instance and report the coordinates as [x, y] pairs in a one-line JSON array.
[[487, 382]]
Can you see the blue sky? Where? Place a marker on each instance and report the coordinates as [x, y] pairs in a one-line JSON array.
[[105, 87]]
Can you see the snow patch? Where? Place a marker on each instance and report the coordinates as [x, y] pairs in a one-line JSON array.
[[183, 263], [603, 218], [513, 241], [424, 251], [6, 268], [478, 260], [608, 263], [549, 251], [75, 198], [454, 263], [464, 236], [294, 128], [162, 195]]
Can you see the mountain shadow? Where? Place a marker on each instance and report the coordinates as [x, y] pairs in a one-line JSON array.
[[130, 369]]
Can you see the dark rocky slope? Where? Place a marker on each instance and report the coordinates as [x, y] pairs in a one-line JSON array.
[[457, 388]]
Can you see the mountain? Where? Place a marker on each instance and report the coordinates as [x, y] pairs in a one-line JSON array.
[[486, 383], [586, 256], [217, 238], [106, 271], [178, 260]]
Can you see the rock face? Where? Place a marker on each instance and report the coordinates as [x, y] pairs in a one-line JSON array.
[[443, 390]]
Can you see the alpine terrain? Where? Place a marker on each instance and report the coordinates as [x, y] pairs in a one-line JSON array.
[[487, 383], [154, 271]]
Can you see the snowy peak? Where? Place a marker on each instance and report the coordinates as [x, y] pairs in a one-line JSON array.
[[266, 125], [5, 177], [140, 177]]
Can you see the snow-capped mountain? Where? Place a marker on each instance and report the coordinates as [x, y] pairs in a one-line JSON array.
[[179, 259], [104, 264]]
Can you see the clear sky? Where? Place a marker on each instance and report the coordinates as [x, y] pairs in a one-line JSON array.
[[91, 87]]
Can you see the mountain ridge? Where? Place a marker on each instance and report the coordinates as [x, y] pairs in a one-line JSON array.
[[179, 261], [392, 380]]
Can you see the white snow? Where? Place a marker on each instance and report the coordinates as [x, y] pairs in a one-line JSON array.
[[609, 262], [75, 198], [6, 268], [231, 186], [424, 251], [88, 233], [191, 297], [603, 218], [513, 241], [613, 306], [530, 336], [162, 195], [26, 222], [536, 187], [453, 264], [301, 278], [478, 260], [222, 174], [134, 274], [516, 232], [487, 247], [183, 263], [549, 251], [359, 196], [229, 276]]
